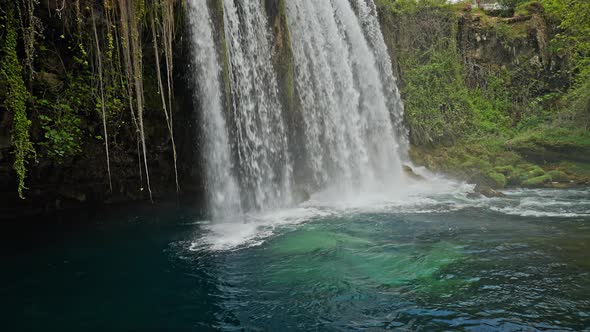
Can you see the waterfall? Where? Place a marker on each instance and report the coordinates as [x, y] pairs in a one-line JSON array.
[[261, 138], [349, 108], [351, 141], [367, 12], [222, 186]]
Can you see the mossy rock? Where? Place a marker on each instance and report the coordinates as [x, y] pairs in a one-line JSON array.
[[490, 179], [505, 170], [499, 179], [553, 145], [531, 172], [409, 172], [577, 172], [538, 181], [558, 176], [515, 178]]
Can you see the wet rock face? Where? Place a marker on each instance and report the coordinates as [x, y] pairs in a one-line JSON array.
[[82, 179]]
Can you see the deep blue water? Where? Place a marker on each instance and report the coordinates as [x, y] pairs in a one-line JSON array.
[[443, 263]]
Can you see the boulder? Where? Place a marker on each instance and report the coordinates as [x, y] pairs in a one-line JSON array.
[[488, 191], [409, 172], [538, 181]]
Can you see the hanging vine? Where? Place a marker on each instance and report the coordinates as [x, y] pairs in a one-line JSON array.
[[16, 102], [165, 27], [104, 38], [30, 26], [102, 97], [130, 13]]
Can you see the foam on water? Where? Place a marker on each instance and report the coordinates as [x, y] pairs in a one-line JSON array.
[[254, 229], [435, 196], [570, 203]]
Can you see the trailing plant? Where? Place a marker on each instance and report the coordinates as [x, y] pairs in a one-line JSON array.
[[16, 102]]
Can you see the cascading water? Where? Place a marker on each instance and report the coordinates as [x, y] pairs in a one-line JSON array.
[[367, 13], [261, 138], [348, 100], [222, 186], [350, 138]]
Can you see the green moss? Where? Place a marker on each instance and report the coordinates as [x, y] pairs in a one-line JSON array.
[[553, 144], [534, 171], [505, 170], [510, 33], [16, 100], [538, 181], [558, 176], [558, 138], [577, 172], [499, 179], [528, 8]]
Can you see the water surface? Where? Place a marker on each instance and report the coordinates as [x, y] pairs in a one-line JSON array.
[[422, 262]]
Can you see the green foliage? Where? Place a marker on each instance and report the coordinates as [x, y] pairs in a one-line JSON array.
[[437, 101], [440, 107], [509, 98], [511, 7], [62, 130], [573, 42], [16, 103], [512, 4], [491, 105], [60, 110], [562, 139], [528, 8], [410, 6]]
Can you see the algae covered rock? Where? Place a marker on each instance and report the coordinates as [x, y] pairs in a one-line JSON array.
[[499, 179], [558, 176], [538, 181], [553, 145], [505, 170], [489, 179]]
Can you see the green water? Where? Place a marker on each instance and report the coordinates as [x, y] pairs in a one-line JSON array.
[[443, 263]]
